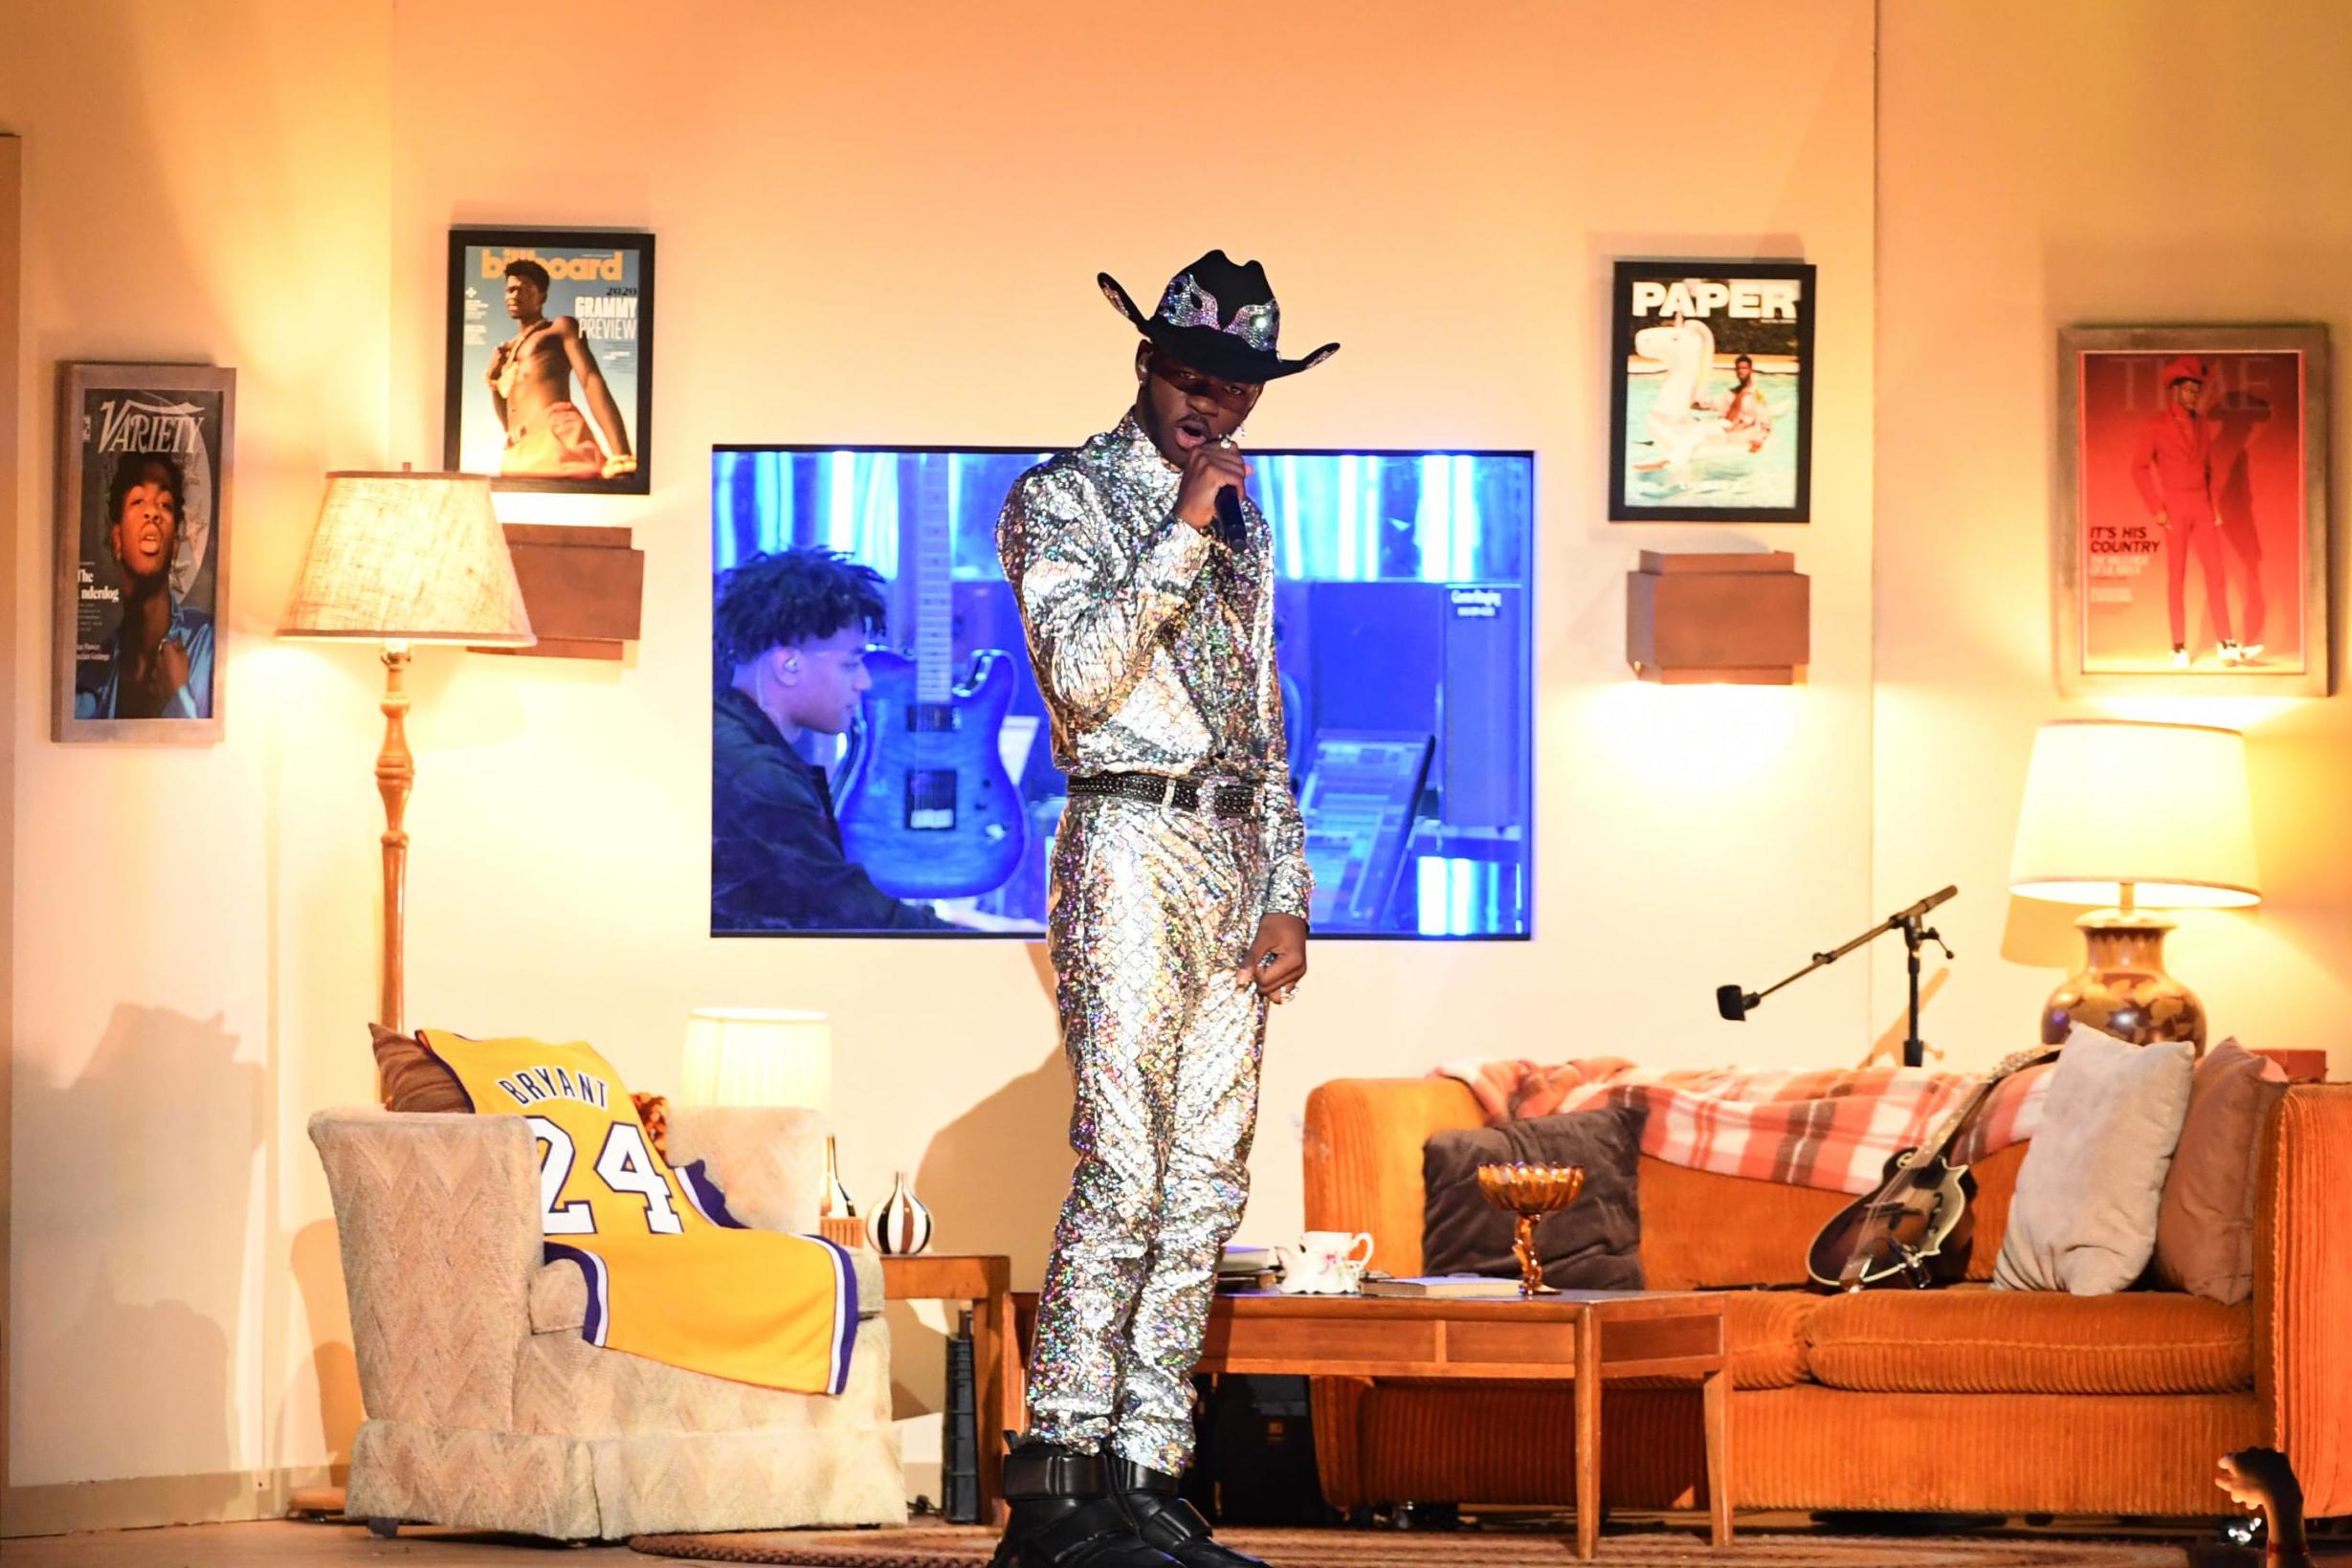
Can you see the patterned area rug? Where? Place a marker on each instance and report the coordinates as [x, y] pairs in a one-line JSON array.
[[931, 1547]]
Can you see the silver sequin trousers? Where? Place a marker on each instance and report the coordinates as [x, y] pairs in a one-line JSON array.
[[1154, 911]]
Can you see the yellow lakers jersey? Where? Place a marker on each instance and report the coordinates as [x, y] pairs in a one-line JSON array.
[[671, 1274]]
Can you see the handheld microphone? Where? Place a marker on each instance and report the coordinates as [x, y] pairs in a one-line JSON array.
[[1232, 530], [1229, 527]]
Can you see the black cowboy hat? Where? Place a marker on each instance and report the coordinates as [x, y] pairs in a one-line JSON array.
[[1218, 318]]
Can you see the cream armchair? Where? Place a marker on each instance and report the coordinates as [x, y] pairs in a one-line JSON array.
[[487, 1410]]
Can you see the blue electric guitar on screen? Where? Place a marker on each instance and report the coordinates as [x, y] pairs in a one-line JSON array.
[[926, 806]]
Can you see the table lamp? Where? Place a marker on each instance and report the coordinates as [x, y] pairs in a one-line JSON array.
[[768, 1056], [399, 559], [2140, 817]]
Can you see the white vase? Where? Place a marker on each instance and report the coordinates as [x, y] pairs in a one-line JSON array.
[[901, 1225]]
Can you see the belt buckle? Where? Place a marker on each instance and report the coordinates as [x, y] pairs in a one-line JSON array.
[[1184, 794]]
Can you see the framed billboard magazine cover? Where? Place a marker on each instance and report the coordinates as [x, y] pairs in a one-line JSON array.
[[1711, 391], [2189, 527], [549, 376], [143, 550]]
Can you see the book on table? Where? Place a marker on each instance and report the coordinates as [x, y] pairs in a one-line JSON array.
[[1426, 1285]]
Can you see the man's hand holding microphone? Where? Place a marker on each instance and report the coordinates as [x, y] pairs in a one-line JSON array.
[[1212, 470]]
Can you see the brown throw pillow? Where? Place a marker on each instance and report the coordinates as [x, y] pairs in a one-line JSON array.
[[1592, 1245], [412, 1077], [2205, 1227]]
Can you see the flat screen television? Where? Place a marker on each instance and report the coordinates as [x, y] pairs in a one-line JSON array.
[[1404, 652]]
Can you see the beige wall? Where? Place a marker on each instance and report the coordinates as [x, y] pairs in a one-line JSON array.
[[2050, 165], [191, 925], [859, 209], [12, 238], [858, 206], [854, 205]]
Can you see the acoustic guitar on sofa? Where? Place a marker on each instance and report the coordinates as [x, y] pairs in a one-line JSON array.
[[1916, 1230], [926, 804]]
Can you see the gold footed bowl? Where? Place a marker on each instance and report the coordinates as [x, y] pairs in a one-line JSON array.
[[1530, 1192]]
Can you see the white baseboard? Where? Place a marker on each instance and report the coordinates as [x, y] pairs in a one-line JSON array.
[[142, 1502]]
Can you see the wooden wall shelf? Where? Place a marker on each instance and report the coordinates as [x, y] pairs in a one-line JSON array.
[[1693, 619], [585, 588]]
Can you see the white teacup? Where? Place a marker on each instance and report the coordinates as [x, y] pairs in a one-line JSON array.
[[1324, 1261]]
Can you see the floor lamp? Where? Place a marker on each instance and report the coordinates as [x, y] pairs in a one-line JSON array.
[[400, 558]]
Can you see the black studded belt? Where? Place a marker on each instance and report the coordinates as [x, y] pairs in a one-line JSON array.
[[1219, 800]]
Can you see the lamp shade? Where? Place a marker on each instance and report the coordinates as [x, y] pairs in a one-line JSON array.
[[408, 558], [2162, 808], [758, 1056]]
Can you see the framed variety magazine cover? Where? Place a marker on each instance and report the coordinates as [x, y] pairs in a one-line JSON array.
[[2189, 527], [1711, 391], [549, 374], [143, 550]]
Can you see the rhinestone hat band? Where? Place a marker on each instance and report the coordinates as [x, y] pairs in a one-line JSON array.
[[1185, 304]]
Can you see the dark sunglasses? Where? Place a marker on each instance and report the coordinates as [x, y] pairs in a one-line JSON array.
[[1229, 394]]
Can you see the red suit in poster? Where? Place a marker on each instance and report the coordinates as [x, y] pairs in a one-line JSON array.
[[2186, 456]]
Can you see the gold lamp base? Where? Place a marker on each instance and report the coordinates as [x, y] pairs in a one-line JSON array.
[[2123, 989]]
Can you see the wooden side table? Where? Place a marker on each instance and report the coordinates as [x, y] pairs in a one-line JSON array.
[[983, 1282]]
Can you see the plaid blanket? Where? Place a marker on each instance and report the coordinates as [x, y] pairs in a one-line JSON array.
[[1831, 1128]]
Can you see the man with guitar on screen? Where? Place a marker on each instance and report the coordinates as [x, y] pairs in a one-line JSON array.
[[791, 630], [1180, 886]]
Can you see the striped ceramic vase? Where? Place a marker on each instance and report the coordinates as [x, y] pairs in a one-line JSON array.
[[901, 1225]]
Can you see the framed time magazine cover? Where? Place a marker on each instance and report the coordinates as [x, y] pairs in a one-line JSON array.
[[1711, 391], [142, 550], [549, 376], [2189, 527]]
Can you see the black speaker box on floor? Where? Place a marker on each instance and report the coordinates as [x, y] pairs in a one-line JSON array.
[[1256, 1459]]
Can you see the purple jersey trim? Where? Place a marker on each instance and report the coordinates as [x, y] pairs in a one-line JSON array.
[[598, 1320], [704, 1195], [845, 1314]]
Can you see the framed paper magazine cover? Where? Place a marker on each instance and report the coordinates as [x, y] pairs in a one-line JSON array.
[[2189, 535], [141, 551], [1711, 391], [549, 373]]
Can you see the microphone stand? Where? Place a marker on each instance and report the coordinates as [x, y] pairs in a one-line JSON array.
[[1917, 933]]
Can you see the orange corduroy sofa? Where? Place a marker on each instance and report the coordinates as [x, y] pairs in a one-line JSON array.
[[1962, 1400]]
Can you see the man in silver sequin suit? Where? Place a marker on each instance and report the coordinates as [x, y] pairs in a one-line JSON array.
[[1180, 899]]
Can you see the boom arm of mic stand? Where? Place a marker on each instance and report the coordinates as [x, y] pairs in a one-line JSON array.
[[1822, 960]]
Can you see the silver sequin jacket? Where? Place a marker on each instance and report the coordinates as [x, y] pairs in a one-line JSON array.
[[1152, 643]]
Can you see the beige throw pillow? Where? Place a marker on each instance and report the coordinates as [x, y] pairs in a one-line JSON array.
[[2084, 1216], [2204, 1230]]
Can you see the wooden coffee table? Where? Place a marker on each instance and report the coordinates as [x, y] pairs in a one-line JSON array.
[[1587, 1337]]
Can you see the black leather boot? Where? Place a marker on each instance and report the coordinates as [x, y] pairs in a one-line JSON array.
[[1167, 1522], [1063, 1515]]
